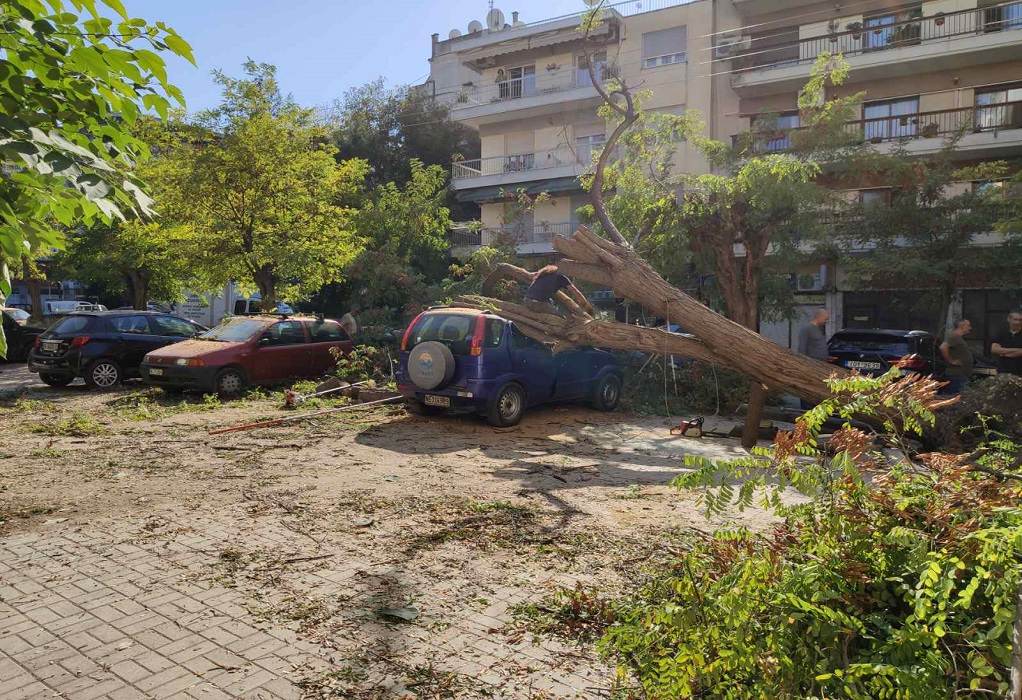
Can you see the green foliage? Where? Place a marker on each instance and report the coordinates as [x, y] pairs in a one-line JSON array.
[[931, 234], [267, 202], [900, 585], [364, 363], [391, 128], [78, 424], [689, 387], [402, 233], [71, 85], [468, 277]]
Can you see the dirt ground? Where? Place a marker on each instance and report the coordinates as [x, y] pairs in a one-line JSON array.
[[334, 530]]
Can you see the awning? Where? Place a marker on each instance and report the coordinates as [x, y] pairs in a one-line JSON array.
[[561, 35], [501, 193]]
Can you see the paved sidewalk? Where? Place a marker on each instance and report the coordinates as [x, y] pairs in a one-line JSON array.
[[146, 610], [84, 616]]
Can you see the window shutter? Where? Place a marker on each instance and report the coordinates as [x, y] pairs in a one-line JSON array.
[[664, 42]]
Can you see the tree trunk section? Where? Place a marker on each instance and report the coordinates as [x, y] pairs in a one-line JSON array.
[[602, 262], [35, 298], [757, 399]]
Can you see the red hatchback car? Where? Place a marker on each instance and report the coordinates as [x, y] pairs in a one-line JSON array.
[[247, 350]]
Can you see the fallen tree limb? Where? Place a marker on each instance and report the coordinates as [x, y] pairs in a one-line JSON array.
[[731, 344]]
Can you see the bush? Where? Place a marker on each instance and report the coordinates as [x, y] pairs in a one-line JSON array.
[[902, 585], [692, 387], [365, 363]]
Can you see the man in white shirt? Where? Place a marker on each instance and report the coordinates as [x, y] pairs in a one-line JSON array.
[[348, 322]]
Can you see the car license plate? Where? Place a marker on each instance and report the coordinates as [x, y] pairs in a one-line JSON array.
[[155, 372], [444, 401], [856, 364], [51, 345]]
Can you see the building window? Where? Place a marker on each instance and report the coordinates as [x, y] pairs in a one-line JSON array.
[[891, 119], [891, 29], [664, 47], [1001, 17], [586, 146], [879, 197], [603, 71], [999, 107], [513, 83], [773, 132]]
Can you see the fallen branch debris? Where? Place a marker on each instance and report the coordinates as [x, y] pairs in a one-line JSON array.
[[304, 416]]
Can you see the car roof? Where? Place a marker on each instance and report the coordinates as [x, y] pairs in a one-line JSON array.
[[119, 312], [893, 332]]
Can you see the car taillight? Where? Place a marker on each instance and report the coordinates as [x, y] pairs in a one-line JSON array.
[[475, 348], [408, 331], [833, 359], [912, 362], [79, 341]]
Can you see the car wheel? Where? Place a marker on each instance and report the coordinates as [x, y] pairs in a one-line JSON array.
[[230, 382], [507, 406], [103, 374], [56, 380], [607, 393]]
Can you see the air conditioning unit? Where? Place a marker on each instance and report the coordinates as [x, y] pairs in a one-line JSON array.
[[811, 282], [731, 44]]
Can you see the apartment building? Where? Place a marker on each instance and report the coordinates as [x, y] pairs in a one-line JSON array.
[[928, 69], [526, 88]]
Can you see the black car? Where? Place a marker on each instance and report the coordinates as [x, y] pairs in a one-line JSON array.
[[104, 347], [19, 334], [872, 351]]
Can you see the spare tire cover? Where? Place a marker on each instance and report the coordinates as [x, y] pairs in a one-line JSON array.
[[431, 365]]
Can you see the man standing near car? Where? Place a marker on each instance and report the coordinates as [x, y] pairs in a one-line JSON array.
[[958, 357], [1007, 347], [812, 339], [349, 323]]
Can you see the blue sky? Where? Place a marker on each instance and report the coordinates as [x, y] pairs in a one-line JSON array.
[[320, 47]]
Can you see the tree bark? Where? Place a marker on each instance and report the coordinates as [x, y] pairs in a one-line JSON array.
[[266, 280], [138, 285], [597, 260], [757, 399]]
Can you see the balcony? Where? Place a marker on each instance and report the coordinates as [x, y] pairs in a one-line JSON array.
[[524, 167], [540, 93], [528, 239], [985, 130], [909, 46]]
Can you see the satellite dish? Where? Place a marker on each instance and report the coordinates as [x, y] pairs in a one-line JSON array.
[[475, 26], [455, 33], [494, 20]]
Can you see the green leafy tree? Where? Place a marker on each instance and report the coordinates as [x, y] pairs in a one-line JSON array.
[[935, 232], [139, 260], [267, 202], [71, 84], [391, 128]]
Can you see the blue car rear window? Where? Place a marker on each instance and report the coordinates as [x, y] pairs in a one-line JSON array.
[[455, 331]]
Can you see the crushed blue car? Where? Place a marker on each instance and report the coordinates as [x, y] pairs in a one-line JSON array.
[[471, 361]]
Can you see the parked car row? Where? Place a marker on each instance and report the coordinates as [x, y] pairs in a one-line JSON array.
[[168, 351], [873, 351]]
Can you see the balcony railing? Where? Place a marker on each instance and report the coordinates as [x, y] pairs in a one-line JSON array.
[[541, 82], [512, 234], [521, 163], [945, 122], [858, 38]]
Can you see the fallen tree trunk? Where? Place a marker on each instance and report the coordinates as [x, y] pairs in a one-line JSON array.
[[597, 260], [572, 331]]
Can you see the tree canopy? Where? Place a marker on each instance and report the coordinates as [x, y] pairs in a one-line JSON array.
[[72, 82], [267, 202]]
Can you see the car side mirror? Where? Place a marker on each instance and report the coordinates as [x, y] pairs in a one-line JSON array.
[[264, 341]]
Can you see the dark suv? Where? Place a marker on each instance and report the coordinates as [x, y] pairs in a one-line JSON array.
[[872, 351], [104, 347]]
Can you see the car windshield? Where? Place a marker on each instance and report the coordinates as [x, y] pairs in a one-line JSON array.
[[236, 330], [453, 330], [69, 325], [18, 315], [870, 342]]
